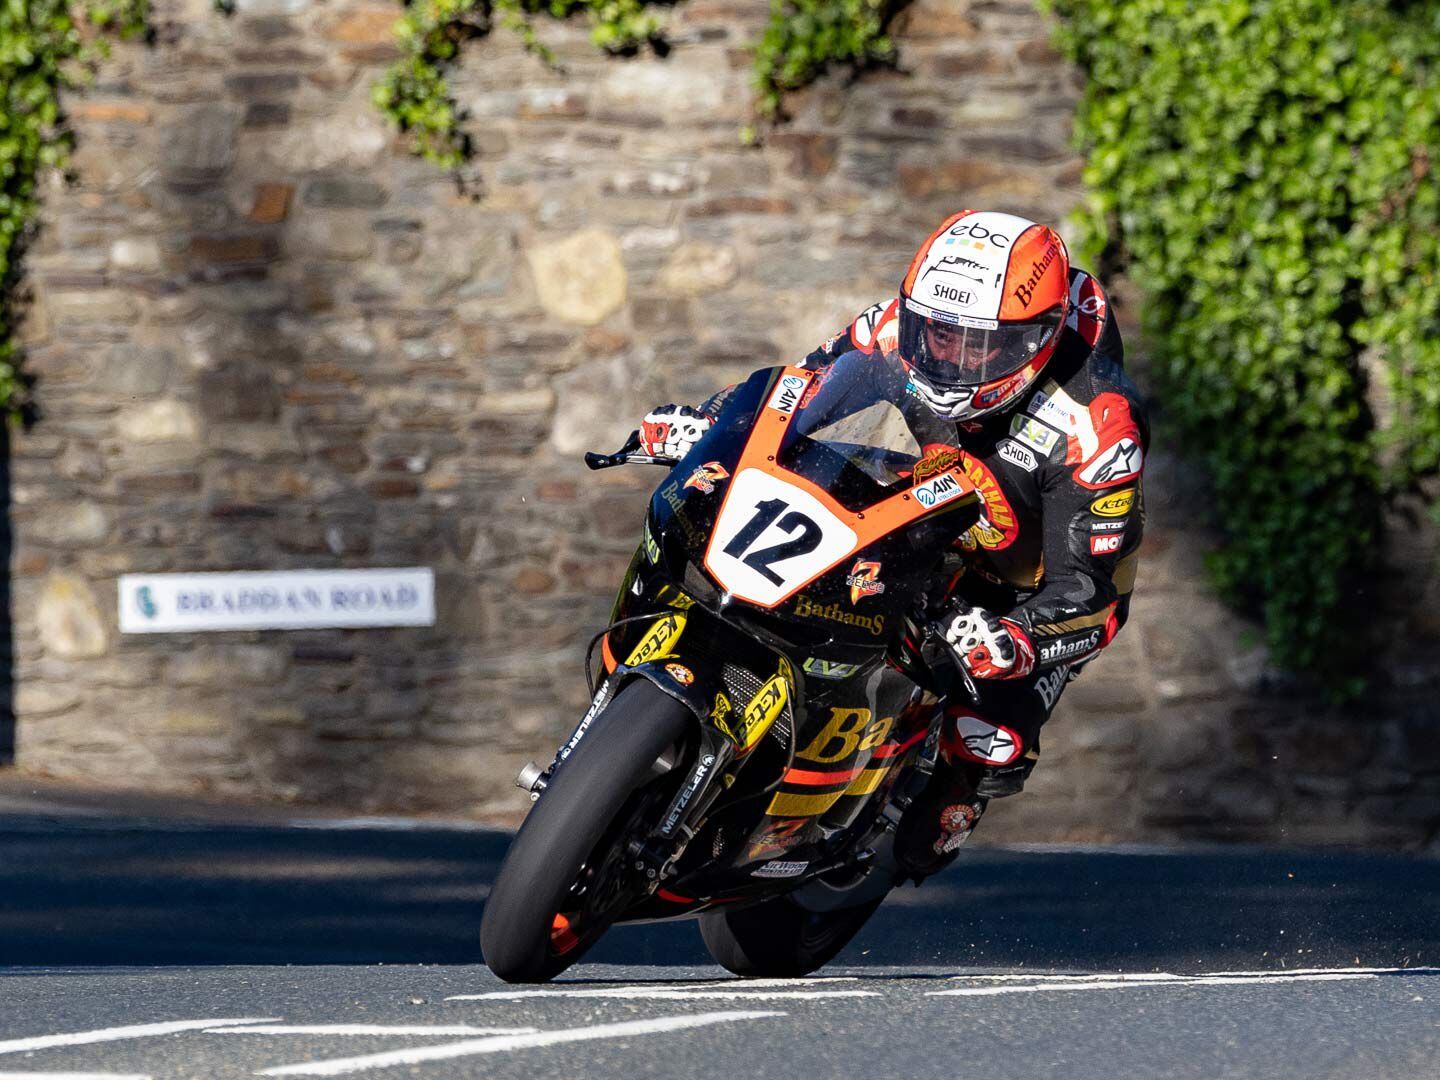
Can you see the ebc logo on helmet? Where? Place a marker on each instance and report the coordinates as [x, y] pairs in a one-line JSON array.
[[975, 231]]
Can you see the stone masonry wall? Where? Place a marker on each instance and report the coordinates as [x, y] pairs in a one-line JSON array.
[[267, 338]]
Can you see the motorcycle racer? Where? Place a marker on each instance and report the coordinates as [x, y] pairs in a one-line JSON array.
[[1005, 359]]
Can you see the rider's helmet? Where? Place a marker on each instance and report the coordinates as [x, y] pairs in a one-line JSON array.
[[981, 311]]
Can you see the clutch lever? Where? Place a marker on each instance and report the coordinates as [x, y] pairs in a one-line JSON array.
[[626, 455]]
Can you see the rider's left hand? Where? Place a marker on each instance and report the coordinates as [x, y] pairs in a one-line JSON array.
[[671, 430], [988, 646]]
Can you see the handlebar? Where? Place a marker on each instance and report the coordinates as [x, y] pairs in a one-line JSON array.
[[626, 456]]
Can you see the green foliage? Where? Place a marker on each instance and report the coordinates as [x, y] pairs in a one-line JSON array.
[[414, 92], [805, 37], [1263, 170], [43, 49]]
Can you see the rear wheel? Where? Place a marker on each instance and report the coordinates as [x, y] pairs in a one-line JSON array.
[[780, 938], [563, 881]]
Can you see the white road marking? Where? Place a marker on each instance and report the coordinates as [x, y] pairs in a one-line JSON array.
[[1120, 984], [1162, 976], [134, 1031], [503, 1043], [717, 988], [369, 1029], [666, 994]]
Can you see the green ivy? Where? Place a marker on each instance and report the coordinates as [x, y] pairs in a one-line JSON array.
[[1263, 170], [44, 49], [807, 36], [414, 93], [803, 39]]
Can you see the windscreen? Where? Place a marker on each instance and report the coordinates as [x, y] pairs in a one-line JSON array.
[[849, 436]]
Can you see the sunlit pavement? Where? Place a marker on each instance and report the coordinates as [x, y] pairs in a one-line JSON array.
[[311, 947]]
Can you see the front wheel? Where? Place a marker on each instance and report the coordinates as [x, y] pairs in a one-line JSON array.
[[563, 880], [780, 938]]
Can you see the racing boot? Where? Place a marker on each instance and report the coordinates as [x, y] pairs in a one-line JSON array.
[[940, 819]]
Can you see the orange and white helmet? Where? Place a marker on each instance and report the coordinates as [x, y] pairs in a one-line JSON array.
[[981, 311]]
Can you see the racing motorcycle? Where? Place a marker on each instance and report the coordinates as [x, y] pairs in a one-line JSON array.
[[766, 703]]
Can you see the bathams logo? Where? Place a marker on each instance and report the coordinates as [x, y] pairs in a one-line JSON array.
[[805, 608]]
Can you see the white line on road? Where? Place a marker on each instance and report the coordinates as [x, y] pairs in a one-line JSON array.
[[369, 1029], [1131, 984], [503, 1043], [134, 1031], [666, 994], [1167, 977]]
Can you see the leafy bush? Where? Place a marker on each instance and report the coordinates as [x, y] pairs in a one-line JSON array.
[[42, 50], [803, 38], [1262, 169]]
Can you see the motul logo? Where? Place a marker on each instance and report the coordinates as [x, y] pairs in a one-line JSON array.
[[1105, 545]]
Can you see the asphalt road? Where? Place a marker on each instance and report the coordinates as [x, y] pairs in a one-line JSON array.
[[214, 950]]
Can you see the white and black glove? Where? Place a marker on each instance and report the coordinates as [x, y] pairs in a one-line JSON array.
[[988, 646], [671, 430]]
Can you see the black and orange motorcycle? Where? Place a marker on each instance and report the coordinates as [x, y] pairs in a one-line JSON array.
[[767, 700]]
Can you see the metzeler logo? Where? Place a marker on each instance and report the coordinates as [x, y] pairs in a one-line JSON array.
[[805, 608]]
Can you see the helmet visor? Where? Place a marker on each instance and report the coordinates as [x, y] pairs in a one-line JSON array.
[[975, 353]]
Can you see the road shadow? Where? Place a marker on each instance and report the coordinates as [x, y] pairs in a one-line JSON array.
[[1182, 911], [96, 893]]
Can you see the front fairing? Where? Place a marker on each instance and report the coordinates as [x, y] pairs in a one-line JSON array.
[[847, 457]]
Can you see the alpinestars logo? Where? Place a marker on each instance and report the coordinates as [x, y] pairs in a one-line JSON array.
[[1120, 462]]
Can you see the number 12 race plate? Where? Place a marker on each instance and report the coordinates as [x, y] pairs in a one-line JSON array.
[[772, 538]]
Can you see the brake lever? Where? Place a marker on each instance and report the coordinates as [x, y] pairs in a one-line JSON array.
[[626, 456], [935, 634]]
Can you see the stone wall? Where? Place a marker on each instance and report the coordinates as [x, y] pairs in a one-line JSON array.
[[267, 338]]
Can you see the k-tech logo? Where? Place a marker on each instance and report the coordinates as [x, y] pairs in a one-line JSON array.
[[940, 490], [1116, 504], [787, 394], [1105, 545]]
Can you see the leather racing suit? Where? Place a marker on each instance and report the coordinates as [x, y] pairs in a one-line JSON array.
[[1056, 550]]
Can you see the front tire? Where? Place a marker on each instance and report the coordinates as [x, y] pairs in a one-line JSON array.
[[779, 938], [532, 928]]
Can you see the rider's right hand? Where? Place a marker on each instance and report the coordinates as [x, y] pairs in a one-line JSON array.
[[671, 430]]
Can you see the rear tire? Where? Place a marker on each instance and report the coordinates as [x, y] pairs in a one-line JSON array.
[[779, 938], [523, 935]]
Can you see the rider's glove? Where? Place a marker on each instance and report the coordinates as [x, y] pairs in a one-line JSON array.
[[988, 646], [671, 430]]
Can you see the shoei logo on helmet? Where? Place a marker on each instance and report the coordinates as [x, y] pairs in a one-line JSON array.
[[963, 297], [973, 230]]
